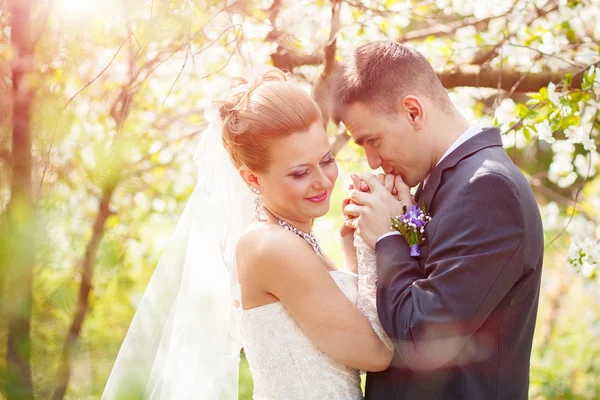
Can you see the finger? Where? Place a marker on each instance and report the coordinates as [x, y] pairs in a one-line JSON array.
[[389, 182], [359, 183], [400, 185], [351, 223], [403, 192], [345, 231], [350, 187], [373, 182], [353, 210], [349, 217], [361, 198], [381, 178]]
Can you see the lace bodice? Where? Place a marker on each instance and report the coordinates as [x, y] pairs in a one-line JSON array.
[[285, 364]]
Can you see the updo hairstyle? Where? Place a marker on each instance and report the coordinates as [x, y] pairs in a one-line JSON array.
[[255, 113]]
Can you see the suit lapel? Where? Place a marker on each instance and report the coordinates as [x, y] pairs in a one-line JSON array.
[[489, 137]]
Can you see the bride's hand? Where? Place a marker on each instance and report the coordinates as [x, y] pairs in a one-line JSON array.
[[393, 183], [388, 181]]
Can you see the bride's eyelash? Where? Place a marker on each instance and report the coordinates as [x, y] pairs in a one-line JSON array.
[[302, 174]]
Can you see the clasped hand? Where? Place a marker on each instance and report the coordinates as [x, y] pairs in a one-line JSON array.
[[372, 201]]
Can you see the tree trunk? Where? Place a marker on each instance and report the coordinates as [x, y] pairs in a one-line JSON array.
[[20, 216]]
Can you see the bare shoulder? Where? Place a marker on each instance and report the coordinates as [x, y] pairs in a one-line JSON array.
[[269, 246]]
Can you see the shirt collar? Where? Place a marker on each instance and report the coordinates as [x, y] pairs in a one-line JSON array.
[[466, 135]]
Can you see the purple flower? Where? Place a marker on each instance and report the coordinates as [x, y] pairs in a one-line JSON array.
[[412, 214], [415, 251]]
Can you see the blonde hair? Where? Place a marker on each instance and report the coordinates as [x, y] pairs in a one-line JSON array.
[[253, 114]]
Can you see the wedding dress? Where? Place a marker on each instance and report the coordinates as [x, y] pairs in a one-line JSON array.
[[285, 364], [185, 339]]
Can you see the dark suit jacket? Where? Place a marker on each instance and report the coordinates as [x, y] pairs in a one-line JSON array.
[[462, 315]]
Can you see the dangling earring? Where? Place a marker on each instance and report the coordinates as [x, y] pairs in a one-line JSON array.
[[258, 201]]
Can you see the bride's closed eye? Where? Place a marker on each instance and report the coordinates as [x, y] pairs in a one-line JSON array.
[[329, 159], [299, 175]]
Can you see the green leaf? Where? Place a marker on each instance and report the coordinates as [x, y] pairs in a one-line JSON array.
[[568, 79], [522, 110], [572, 120]]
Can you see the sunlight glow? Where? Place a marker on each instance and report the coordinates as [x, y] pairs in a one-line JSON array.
[[78, 8]]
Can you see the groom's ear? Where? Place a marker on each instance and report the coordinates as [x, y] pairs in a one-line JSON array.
[[412, 107], [249, 177]]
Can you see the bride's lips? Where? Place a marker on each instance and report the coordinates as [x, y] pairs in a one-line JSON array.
[[319, 198]]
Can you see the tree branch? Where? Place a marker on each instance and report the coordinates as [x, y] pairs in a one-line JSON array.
[[330, 48], [477, 76], [322, 86], [448, 29], [487, 56], [101, 72], [86, 267], [119, 112], [136, 172], [288, 59], [385, 12], [474, 75]]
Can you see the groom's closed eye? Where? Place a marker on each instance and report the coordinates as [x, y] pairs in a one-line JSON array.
[[368, 139], [373, 142]]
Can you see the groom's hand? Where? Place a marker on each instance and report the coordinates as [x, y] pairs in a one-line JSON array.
[[374, 210]]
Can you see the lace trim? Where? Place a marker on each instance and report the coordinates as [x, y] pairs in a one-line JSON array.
[[367, 288]]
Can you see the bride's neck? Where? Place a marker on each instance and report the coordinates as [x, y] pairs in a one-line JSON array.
[[305, 226]]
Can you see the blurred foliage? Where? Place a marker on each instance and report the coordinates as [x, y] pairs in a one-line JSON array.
[[119, 89]]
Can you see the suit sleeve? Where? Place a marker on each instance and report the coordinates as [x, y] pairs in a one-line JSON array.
[[431, 312]]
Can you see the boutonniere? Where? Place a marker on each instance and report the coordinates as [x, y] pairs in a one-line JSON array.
[[411, 225]]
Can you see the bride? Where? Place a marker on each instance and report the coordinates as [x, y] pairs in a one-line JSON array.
[[232, 276]]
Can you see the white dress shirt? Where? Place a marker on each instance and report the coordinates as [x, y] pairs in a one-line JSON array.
[[466, 135]]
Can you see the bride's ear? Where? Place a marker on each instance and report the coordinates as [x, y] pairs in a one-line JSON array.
[[249, 177]]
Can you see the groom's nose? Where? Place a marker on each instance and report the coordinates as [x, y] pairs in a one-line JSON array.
[[373, 159]]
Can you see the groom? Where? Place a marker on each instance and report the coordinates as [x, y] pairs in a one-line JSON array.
[[462, 313]]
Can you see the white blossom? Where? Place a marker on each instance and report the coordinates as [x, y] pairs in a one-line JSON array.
[[505, 112], [551, 216], [586, 164], [552, 95], [584, 257], [561, 169], [576, 134], [544, 131]]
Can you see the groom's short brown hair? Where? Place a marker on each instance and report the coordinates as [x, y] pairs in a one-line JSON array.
[[378, 74]]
